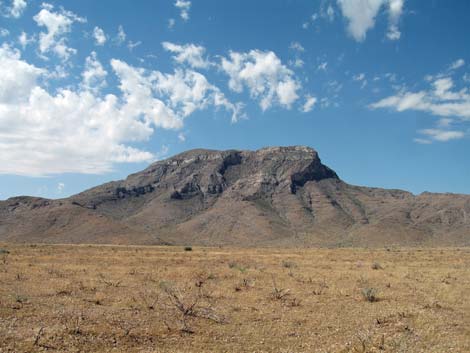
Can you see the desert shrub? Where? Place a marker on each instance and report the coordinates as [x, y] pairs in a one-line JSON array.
[[187, 303], [279, 293], [320, 288], [109, 283], [188, 248], [376, 266], [246, 283], [370, 294], [4, 259], [237, 266], [289, 264], [148, 299]]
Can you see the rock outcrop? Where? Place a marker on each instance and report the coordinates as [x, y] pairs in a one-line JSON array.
[[277, 196]]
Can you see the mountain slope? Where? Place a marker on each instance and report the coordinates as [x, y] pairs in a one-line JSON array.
[[277, 196]]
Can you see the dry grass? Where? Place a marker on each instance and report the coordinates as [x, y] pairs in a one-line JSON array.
[[166, 299]]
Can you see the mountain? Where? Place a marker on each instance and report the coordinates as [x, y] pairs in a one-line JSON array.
[[276, 196]]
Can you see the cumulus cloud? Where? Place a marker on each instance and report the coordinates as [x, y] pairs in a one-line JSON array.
[[264, 75], [298, 50], [4, 32], [361, 15], [440, 100], [81, 130], [184, 7], [309, 103], [94, 75], [297, 47], [457, 64], [57, 25], [190, 54], [395, 12], [99, 36], [25, 40], [18, 77], [189, 90], [16, 8]]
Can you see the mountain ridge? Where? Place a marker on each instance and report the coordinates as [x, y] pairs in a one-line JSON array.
[[275, 196]]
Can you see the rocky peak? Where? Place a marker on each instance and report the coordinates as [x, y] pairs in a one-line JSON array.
[[239, 197]]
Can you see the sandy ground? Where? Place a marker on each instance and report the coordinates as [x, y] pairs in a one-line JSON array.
[[166, 299]]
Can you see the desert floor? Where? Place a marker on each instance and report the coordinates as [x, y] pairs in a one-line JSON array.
[[168, 299]]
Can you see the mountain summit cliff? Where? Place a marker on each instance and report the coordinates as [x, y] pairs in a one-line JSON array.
[[276, 196]]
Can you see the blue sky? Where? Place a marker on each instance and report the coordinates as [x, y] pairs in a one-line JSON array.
[[91, 91]]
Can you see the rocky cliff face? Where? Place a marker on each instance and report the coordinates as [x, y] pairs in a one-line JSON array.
[[277, 196]]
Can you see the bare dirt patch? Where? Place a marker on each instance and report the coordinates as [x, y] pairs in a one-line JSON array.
[[166, 299]]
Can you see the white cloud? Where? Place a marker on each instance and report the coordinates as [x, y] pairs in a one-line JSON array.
[[99, 35], [18, 77], [191, 54], [322, 66], [440, 135], [457, 64], [297, 62], [395, 12], [309, 103], [334, 87], [24, 40], [297, 47], [83, 131], [60, 188], [4, 32], [330, 13], [189, 90], [360, 78], [121, 36], [94, 75], [184, 7], [181, 137], [57, 24], [16, 9], [171, 23], [422, 141], [440, 100], [361, 15], [131, 45], [263, 73], [70, 131]]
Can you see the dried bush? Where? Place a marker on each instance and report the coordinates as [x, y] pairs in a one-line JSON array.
[[279, 293], [187, 303], [289, 264], [370, 294], [376, 266]]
